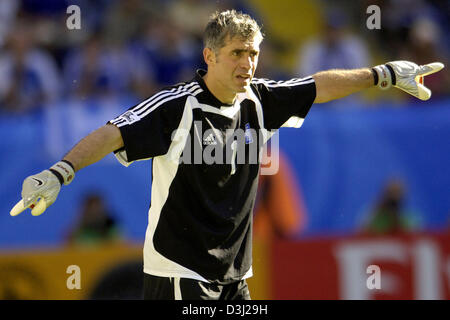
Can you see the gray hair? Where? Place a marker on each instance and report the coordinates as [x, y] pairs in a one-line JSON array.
[[226, 25]]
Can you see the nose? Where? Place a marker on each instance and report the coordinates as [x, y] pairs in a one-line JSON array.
[[246, 62]]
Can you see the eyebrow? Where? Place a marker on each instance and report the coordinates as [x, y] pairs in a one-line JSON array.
[[238, 51]]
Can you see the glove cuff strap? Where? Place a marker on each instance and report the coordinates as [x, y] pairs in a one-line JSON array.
[[384, 76], [391, 70], [64, 171]]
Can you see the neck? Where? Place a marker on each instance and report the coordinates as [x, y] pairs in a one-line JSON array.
[[218, 90]]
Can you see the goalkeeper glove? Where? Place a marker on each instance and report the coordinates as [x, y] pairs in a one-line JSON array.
[[406, 76], [39, 191]]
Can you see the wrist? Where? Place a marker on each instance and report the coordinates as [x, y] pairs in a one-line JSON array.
[[384, 76], [64, 171], [375, 76]]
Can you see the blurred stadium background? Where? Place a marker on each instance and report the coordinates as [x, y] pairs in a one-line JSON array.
[[364, 182]]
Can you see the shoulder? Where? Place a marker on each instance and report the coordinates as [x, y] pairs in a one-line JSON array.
[[168, 103], [258, 84], [178, 92], [187, 86], [256, 81], [174, 96], [191, 88]]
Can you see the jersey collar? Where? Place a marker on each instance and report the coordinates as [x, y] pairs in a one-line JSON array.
[[206, 96]]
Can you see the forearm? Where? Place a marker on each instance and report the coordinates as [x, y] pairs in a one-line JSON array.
[[95, 147], [335, 84], [40, 190]]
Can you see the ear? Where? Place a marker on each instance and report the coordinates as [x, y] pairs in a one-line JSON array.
[[209, 56]]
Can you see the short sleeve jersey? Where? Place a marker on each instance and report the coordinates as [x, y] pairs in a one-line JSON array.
[[205, 167]]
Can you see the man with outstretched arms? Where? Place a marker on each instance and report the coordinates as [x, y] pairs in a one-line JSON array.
[[205, 137]]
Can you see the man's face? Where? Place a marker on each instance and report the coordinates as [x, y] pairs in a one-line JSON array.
[[235, 64]]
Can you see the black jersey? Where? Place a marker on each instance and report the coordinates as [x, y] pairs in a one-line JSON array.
[[206, 162]]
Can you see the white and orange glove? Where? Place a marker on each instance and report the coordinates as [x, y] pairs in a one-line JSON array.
[[39, 191], [406, 76]]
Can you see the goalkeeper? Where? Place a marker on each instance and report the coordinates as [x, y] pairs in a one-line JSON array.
[[198, 240]]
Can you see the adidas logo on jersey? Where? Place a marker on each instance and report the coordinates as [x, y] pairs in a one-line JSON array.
[[210, 140]]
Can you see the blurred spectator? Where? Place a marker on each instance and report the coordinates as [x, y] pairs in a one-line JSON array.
[[424, 46], [267, 66], [125, 19], [29, 76], [121, 282], [398, 17], [8, 12], [336, 47], [171, 52], [389, 215], [191, 15], [93, 13], [415, 30], [442, 9], [96, 70], [96, 223], [44, 7], [279, 209]]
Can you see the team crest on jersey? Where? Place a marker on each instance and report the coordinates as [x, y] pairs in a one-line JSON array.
[[248, 134], [130, 117]]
